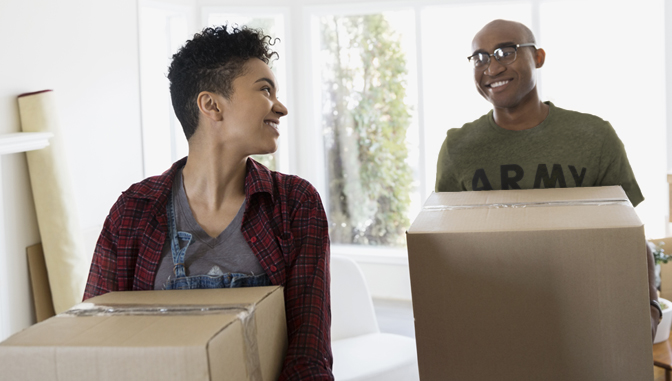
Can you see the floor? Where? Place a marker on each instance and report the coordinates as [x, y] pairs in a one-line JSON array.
[[396, 316]]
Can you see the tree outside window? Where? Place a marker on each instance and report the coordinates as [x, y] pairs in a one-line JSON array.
[[365, 120]]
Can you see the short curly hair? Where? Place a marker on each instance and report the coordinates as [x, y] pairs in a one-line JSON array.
[[210, 62]]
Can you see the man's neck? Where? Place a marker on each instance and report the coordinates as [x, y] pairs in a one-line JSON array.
[[522, 117]]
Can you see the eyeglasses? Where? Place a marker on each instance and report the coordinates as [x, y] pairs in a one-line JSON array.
[[504, 55]]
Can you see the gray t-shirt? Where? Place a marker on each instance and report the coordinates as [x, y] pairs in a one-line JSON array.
[[227, 253], [568, 149]]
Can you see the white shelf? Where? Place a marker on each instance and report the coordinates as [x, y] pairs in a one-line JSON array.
[[9, 144], [23, 141]]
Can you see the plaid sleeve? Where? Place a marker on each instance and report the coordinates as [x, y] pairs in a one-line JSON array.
[[307, 294], [103, 275]]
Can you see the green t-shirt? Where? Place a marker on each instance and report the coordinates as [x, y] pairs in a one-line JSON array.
[[568, 149]]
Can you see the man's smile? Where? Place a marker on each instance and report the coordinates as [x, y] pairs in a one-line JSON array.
[[498, 84]]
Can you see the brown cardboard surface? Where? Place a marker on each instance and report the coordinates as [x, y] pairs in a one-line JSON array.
[[528, 196], [227, 346], [274, 331], [179, 297], [509, 293], [39, 282], [155, 347]]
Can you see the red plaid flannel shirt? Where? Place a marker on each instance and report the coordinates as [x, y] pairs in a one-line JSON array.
[[285, 225]]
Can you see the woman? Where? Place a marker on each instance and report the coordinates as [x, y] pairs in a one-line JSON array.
[[217, 218]]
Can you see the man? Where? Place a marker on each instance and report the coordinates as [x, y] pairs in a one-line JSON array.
[[217, 218], [524, 143]]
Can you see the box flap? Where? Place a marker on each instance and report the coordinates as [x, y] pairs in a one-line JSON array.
[[526, 210], [144, 330], [123, 331], [526, 196], [184, 297]]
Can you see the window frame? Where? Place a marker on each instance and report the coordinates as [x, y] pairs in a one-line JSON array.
[[387, 255], [169, 10], [282, 156], [305, 148]]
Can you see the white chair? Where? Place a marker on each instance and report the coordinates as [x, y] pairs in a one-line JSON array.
[[361, 352]]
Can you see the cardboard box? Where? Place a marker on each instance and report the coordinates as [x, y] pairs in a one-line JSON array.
[[545, 284], [669, 185], [223, 334], [39, 283]]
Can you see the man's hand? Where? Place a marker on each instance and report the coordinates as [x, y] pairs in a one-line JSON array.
[[653, 293], [655, 320]]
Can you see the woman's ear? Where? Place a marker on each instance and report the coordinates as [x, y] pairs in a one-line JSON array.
[[211, 105], [539, 58]]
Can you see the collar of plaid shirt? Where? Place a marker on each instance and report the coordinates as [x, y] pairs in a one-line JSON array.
[[157, 188], [260, 201]]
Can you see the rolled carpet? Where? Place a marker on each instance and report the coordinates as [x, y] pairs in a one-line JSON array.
[[55, 204]]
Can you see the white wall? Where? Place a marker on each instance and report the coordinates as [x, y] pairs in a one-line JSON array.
[[87, 52]]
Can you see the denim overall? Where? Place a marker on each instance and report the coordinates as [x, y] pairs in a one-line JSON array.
[[183, 282]]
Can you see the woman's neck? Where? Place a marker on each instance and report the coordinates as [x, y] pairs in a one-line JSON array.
[[213, 176]]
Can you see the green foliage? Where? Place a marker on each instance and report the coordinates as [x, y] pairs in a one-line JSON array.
[[267, 160], [659, 255], [365, 123]]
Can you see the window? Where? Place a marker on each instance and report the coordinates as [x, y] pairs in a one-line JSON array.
[[607, 71], [379, 85], [273, 24], [450, 98], [440, 95], [163, 29], [369, 129]]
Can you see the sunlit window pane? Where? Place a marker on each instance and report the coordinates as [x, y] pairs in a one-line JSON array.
[[368, 125], [162, 31], [600, 66], [272, 25], [449, 95]]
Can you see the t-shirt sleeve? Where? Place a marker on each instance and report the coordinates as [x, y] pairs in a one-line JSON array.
[[446, 178], [615, 168]]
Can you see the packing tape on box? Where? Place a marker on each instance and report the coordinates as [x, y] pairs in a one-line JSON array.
[[526, 205], [244, 313], [90, 309]]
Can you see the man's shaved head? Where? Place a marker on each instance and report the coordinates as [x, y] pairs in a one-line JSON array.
[[496, 26], [510, 84]]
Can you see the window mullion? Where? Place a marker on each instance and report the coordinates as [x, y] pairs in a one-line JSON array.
[[424, 192]]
